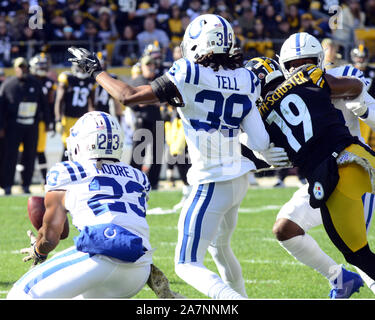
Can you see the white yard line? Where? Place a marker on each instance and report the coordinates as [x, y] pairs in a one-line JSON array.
[[259, 209], [161, 211], [263, 281]]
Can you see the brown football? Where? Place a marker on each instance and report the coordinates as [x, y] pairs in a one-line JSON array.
[[36, 209]]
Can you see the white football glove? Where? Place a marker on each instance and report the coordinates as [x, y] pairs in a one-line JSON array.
[[275, 156], [357, 106], [31, 252]]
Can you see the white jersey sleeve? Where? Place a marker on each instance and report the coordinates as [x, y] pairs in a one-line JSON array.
[[348, 118], [370, 103], [61, 175], [256, 135], [181, 73], [351, 71]]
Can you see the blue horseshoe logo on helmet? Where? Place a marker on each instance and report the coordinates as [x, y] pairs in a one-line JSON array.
[[199, 32]]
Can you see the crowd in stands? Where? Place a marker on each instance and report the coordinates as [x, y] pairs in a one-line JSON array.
[[124, 28]]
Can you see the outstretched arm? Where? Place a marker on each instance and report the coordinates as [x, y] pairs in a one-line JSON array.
[[125, 93], [160, 90]]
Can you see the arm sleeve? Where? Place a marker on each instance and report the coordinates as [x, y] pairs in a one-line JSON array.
[[166, 91], [257, 136]]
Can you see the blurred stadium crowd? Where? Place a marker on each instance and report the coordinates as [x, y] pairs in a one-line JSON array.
[[122, 28], [140, 40]]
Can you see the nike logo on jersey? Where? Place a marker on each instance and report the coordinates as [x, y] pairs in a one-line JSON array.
[[227, 83]]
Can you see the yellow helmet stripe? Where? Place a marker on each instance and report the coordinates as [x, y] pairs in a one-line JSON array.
[[264, 63]]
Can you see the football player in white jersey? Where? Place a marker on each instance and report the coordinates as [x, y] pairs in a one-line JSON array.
[[107, 200], [211, 90], [297, 217]]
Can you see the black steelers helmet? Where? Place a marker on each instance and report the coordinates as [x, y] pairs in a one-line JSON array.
[[360, 56], [39, 64], [266, 69]]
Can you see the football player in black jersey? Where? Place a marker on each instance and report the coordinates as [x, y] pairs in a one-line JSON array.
[[39, 67], [299, 117], [74, 97]]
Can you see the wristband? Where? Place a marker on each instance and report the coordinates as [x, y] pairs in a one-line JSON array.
[[39, 255]]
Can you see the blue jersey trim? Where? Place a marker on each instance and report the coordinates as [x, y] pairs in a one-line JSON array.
[[346, 70], [80, 169], [188, 71], [73, 176], [196, 76]]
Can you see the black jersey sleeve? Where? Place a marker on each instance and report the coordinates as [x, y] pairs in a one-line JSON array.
[[166, 91]]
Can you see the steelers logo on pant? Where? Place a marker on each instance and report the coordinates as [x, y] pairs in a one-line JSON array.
[[318, 191]]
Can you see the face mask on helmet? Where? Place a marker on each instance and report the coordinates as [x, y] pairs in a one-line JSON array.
[[39, 65], [267, 70], [207, 33], [96, 135], [300, 46], [360, 56]]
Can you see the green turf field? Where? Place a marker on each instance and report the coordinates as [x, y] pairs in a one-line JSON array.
[[270, 272]]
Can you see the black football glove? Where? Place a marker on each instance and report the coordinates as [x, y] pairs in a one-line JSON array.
[[86, 61]]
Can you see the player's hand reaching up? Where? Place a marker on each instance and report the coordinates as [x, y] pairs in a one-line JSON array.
[[86, 61]]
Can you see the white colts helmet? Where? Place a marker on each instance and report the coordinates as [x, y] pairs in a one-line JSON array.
[[298, 46], [95, 135], [207, 33]]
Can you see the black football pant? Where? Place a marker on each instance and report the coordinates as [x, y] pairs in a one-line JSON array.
[[14, 135]]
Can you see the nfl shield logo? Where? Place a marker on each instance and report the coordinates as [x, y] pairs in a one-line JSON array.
[[318, 191]]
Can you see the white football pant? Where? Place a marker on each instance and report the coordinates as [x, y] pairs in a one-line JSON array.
[[74, 274], [207, 222]]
